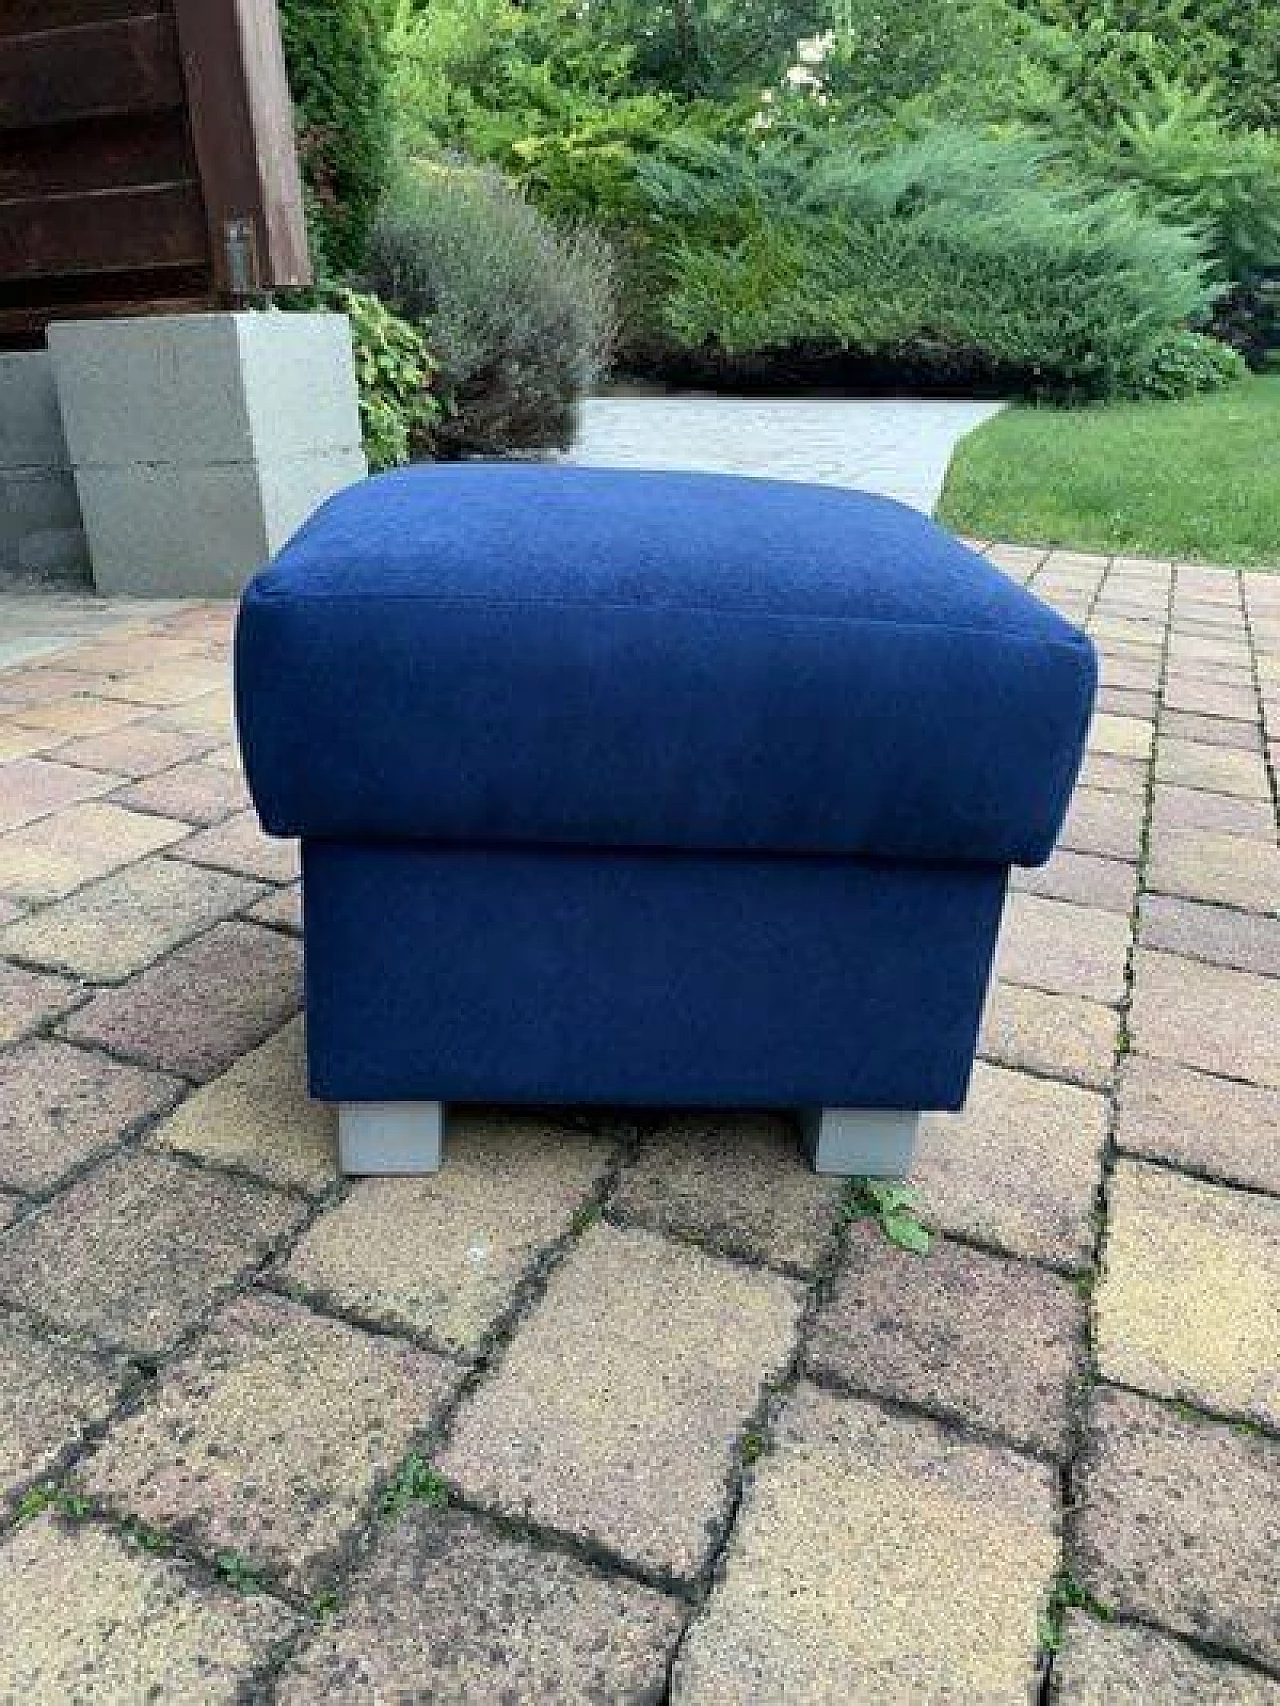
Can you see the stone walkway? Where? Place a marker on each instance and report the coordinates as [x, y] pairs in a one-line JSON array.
[[615, 1412], [896, 446]]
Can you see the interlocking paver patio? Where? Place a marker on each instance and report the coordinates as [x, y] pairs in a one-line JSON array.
[[50, 1391], [877, 1558], [45, 860], [85, 1617], [1226, 1022], [1057, 1036], [618, 1307], [1189, 1302], [135, 1252], [444, 1255], [1179, 1523], [121, 924], [258, 1115], [738, 1185], [449, 1608], [1216, 1126], [1018, 1169], [919, 1332], [196, 1011], [1120, 1664], [59, 1105], [600, 1425], [271, 1436], [29, 998]]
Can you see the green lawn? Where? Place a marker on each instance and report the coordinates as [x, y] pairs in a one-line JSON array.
[[1198, 480]]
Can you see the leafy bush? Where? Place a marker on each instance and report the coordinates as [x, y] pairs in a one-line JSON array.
[[975, 256], [336, 55], [394, 373], [519, 314], [1181, 365]]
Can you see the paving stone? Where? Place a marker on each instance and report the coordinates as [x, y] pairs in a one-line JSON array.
[[76, 716], [239, 845], [736, 1183], [1233, 869], [1129, 674], [1220, 769], [1246, 940], [1212, 731], [61, 1105], [1058, 1035], [116, 926], [597, 1425], [258, 1116], [1121, 736], [31, 788], [449, 1608], [84, 1617], [1106, 883], [136, 1251], [1221, 1021], [1209, 698], [877, 1558], [1019, 1168], [196, 1011], [1189, 1302], [50, 1392], [1127, 704], [1102, 773], [135, 751], [1064, 949], [45, 860], [1194, 809], [1179, 1523], [42, 685], [1118, 1664], [16, 742], [211, 713], [1103, 822], [271, 1436], [196, 793], [282, 909], [444, 1255], [29, 998], [171, 682], [1211, 1125], [8, 1209], [921, 1331]]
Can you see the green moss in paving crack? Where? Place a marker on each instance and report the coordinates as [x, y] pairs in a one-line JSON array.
[[753, 1447], [1067, 1595], [239, 1573], [894, 1208], [585, 1217], [416, 1483], [52, 1497]]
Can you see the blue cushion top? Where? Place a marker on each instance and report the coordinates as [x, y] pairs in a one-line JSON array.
[[515, 653]]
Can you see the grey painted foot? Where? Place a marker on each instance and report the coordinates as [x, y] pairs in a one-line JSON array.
[[874, 1143], [390, 1137]]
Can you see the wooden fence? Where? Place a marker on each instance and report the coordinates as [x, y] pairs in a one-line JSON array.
[[146, 159]]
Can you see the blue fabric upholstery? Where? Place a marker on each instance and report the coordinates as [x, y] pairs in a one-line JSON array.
[[562, 656], [539, 975]]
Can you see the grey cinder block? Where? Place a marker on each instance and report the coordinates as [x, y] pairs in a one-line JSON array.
[[200, 442]]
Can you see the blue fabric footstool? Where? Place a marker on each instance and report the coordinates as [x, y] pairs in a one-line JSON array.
[[672, 790]]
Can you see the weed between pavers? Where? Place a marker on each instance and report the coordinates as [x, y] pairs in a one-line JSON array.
[[416, 1483], [895, 1209], [52, 1497], [1067, 1595], [238, 1573]]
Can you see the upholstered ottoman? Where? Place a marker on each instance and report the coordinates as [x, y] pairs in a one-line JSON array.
[[662, 790]]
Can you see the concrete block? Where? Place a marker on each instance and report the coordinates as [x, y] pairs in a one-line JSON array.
[[40, 527], [201, 442]]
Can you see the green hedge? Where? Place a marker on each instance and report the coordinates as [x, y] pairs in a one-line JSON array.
[[956, 252], [339, 75]]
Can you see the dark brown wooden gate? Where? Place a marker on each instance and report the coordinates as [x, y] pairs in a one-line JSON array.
[[146, 159]]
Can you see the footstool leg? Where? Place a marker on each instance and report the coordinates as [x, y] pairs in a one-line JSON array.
[[390, 1137], [874, 1143]]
